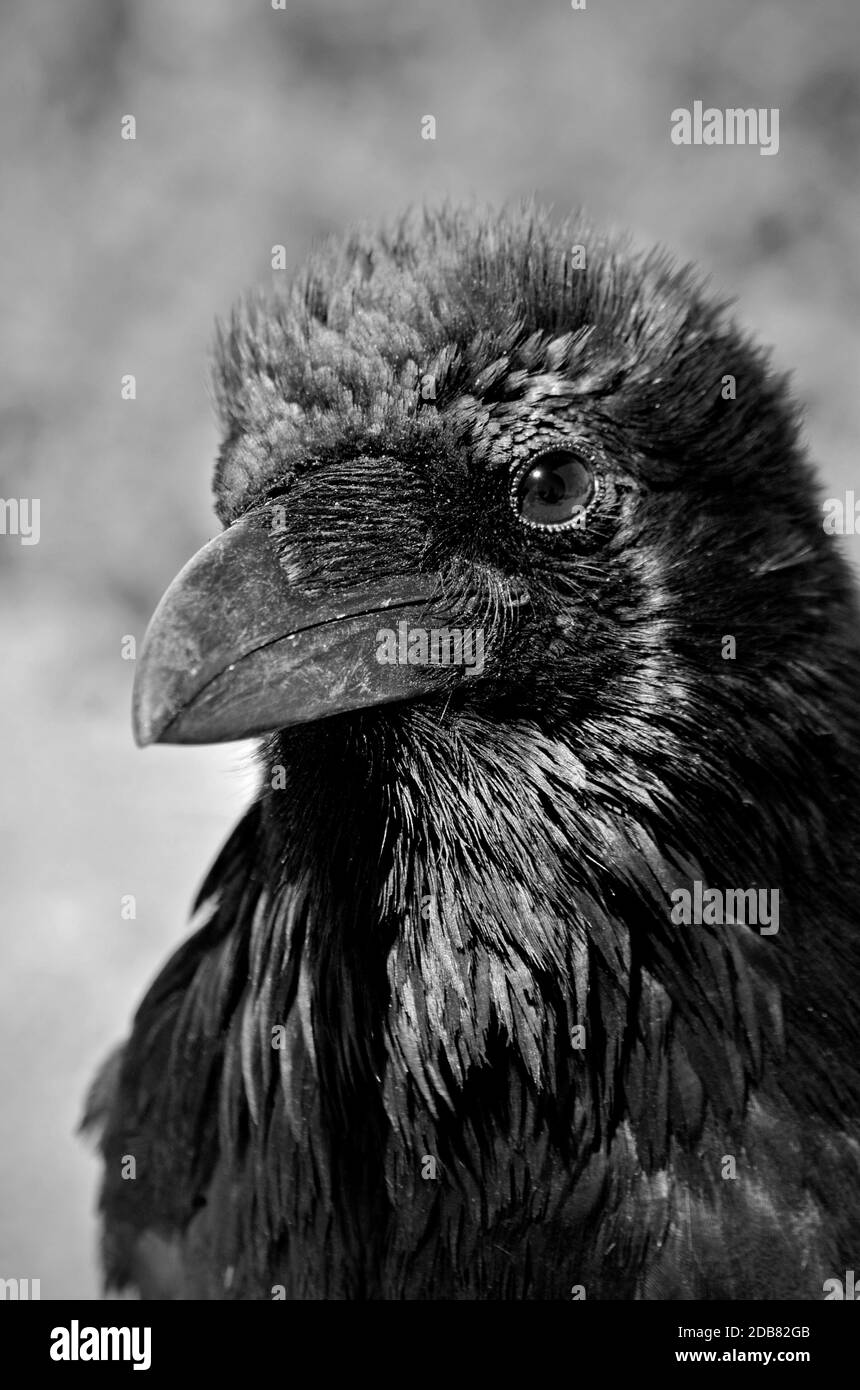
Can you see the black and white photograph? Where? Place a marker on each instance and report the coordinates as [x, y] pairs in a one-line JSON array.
[[429, 553]]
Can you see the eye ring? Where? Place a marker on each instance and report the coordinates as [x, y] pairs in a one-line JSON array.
[[585, 459]]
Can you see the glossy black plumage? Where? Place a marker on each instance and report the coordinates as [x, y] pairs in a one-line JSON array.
[[431, 897]]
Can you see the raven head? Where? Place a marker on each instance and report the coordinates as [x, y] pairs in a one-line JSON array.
[[502, 468]]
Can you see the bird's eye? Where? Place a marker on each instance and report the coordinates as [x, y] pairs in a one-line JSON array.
[[554, 490]]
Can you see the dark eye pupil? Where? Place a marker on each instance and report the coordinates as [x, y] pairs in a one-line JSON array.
[[555, 489]]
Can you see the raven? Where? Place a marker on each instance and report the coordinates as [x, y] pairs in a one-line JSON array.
[[527, 978]]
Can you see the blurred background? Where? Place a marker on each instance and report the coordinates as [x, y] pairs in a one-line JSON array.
[[255, 127]]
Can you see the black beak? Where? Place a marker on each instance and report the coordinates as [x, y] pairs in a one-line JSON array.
[[237, 648]]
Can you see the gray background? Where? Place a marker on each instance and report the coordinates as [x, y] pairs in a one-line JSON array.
[[256, 127]]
